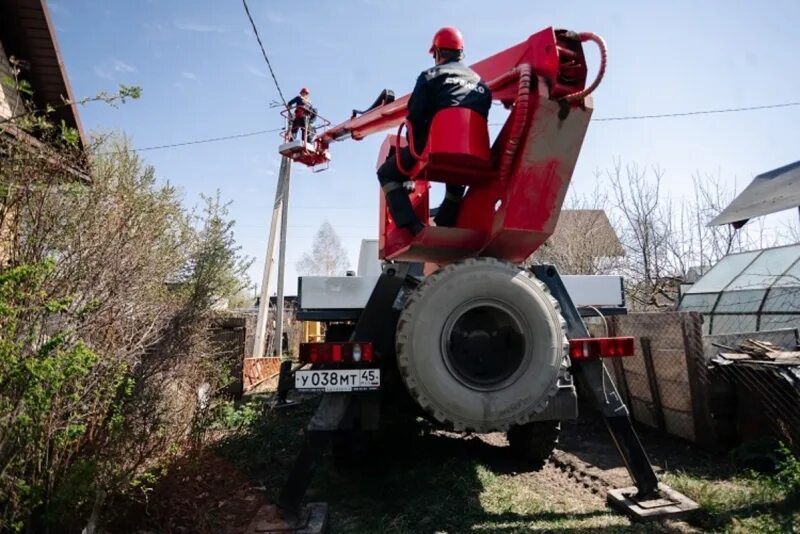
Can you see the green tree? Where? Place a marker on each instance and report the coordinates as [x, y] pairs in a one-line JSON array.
[[216, 271]]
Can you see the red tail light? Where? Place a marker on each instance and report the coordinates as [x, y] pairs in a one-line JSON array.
[[600, 347], [349, 352]]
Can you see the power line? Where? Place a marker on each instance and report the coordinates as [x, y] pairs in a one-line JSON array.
[[309, 227], [200, 141], [264, 53], [685, 113], [601, 119], [365, 235], [700, 112], [335, 207], [209, 140]]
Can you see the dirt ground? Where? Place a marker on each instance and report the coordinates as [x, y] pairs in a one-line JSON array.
[[420, 481]]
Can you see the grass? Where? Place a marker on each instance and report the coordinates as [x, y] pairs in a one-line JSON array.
[[423, 481], [744, 501]]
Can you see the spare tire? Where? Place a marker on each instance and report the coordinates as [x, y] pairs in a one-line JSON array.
[[480, 344]]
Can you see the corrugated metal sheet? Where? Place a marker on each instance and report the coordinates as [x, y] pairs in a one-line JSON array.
[[770, 192]]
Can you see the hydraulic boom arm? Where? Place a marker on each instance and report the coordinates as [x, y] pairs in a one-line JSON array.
[[556, 56]]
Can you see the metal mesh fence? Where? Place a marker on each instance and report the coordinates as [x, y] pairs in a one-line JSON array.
[[658, 383], [756, 385], [714, 390]]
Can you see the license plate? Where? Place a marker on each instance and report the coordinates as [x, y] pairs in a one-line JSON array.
[[338, 380]]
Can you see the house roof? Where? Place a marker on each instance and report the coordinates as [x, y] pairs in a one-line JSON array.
[[27, 34], [594, 223]]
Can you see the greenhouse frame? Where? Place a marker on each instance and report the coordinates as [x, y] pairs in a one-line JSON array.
[[750, 291]]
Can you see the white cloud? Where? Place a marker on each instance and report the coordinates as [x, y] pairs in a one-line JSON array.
[[108, 69], [155, 28], [256, 72], [191, 26], [275, 18], [189, 75], [330, 45], [101, 72], [121, 66]]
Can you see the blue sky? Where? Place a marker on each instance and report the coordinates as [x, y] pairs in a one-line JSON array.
[[203, 76]]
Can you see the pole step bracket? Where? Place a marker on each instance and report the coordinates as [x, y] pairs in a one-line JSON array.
[[312, 519], [666, 503]]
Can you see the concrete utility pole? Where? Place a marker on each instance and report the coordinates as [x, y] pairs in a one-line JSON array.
[[282, 263], [279, 217]]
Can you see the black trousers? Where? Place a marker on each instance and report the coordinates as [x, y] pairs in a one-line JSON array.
[[301, 123], [391, 180]]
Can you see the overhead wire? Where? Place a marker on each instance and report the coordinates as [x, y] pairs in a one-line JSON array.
[[264, 53], [600, 119], [686, 113], [199, 141], [698, 112]]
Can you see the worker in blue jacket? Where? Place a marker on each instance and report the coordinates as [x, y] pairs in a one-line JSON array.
[[450, 83], [304, 115]]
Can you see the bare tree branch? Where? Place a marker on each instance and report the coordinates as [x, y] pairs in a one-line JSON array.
[[327, 257]]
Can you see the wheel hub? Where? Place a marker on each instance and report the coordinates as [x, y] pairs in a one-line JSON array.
[[484, 344]]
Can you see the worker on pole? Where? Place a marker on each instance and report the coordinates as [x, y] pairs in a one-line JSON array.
[[303, 115], [449, 83]]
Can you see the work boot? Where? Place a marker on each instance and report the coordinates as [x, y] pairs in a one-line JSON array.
[[447, 214], [402, 211]]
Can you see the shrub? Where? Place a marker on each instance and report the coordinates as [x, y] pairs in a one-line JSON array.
[[105, 298]]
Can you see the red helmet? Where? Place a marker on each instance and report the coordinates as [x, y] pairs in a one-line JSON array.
[[304, 91], [449, 38]]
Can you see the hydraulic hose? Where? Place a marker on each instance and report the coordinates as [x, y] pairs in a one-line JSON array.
[[601, 44], [520, 124]]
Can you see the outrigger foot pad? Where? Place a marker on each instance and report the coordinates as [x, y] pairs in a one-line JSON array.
[[665, 503]]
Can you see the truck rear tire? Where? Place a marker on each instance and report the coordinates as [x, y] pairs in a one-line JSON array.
[[480, 345]]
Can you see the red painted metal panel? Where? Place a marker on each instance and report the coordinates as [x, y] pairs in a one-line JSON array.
[[516, 188], [471, 139]]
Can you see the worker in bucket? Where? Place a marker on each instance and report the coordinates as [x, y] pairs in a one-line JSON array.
[[449, 83], [304, 115]]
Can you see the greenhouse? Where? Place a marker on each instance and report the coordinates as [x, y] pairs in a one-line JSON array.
[[749, 292]]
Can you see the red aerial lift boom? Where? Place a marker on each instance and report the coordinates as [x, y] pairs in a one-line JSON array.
[[543, 82]]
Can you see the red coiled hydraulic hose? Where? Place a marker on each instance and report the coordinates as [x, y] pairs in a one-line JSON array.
[[520, 124], [601, 44], [523, 98]]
